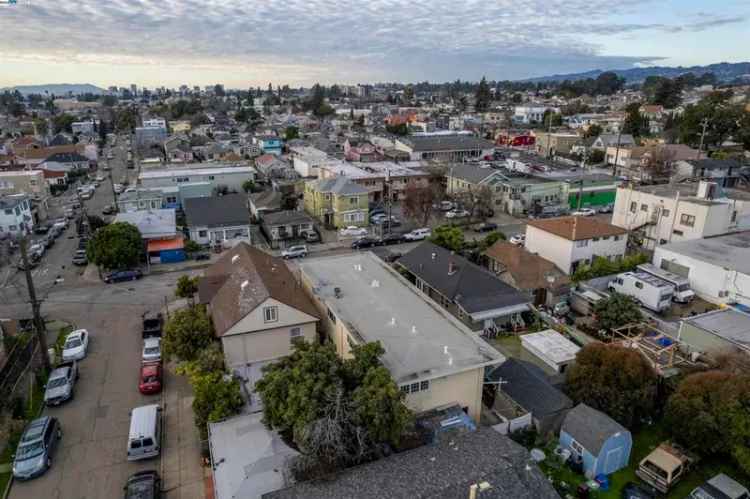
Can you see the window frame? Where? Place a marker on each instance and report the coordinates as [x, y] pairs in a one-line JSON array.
[[270, 314]]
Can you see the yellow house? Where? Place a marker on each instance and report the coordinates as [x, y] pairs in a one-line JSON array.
[[180, 126], [432, 357], [337, 202]]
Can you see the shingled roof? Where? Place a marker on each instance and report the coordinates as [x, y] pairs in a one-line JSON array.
[[577, 228], [530, 387], [529, 271], [267, 277], [590, 428], [445, 470]]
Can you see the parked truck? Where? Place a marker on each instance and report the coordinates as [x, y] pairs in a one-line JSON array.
[[651, 292], [682, 291], [61, 383], [152, 325], [665, 466]]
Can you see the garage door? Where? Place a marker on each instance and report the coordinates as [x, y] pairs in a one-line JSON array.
[[675, 268]]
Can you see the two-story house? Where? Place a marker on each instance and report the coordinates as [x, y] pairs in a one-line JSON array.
[[15, 215], [572, 241], [337, 202], [473, 295], [257, 308], [29, 182], [667, 213], [269, 144]]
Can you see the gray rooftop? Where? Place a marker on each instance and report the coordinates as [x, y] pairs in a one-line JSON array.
[[689, 192], [446, 143], [341, 186], [529, 387], [471, 173], [445, 470], [591, 428], [728, 323], [153, 224], [221, 211], [730, 251], [421, 340], [286, 217]]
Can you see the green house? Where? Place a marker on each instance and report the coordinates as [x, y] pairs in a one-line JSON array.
[[337, 202]]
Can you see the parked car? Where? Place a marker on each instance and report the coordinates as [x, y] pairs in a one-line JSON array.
[[100, 178], [376, 212], [518, 239], [720, 487], [202, 256], [151, 350], [123, 275], [310, 236], [365, 242], [151, 379], [60, 384], [143, 485], [42, 228], [635, 491], [418, 234], [391, 238], [457, 213], [444, 206], [353, 231], [76, 345], [486, 227], [395, 222], [108, 210], [80, 258], [152, 324], [584, 212], [665, 466], [299, 251], [36, 447], [118, 188], [606, 208]]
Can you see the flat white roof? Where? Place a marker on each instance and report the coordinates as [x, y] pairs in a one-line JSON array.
[[16, 173], [373, 169], [552, 345], [421, 340], [176, 172], [248, 459]]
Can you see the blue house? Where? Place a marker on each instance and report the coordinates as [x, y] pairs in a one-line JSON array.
[[602, 444], [269, 144]]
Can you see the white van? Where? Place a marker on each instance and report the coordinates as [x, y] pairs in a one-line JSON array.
[[144, 439], [648, 290]]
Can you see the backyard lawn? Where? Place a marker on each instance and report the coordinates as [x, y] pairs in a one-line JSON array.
[[644, 441]]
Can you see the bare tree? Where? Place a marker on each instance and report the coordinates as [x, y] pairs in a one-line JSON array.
[[658, 162], [418, 201]]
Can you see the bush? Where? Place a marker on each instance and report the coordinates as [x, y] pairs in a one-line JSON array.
[[187, 333], [601, 267]]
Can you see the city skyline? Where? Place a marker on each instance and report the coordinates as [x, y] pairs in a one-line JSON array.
[[300, 43]]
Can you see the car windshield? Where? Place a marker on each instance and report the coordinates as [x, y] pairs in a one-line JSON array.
[[151, 350], [73, 343], [150, 379], [55, 382], [30, 450]]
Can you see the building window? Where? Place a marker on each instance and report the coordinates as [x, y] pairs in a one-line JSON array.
[[210, 177], [687, 220], [202, 233], [577, 448], [617, 238], [270, 314], [331, 315], [424, 385], [633, 207], [582, 243], [596, 239], [665, 213], [414, 387], [734, 216], [353, 200], [677, 232], [644, 207], [639, 285], [12, 228], [295, 333], [606, 238], [404, 388]]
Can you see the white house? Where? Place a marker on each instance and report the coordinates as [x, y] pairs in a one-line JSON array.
[[718, 268], [531, 114], [668, 213], [306, 160], [30, 182], [232, 177], [218, 220], [572, 241], [15, 215]]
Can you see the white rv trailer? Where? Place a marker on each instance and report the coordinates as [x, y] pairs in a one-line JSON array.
[[682, 291], [651, 292]]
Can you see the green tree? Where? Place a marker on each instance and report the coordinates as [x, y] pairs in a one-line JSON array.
[[483, 96], [616, 311], [489, 240], [449, 237], [216, 398], [409, 93], [63, 123], [615, 380], [593, 131], [116, 246], [187, 332], [555, 118], [635, 123], [400, 129], [379, 406], [248, 186], [722, 119], [191, 246], [186, 287], [291, 132], [41, 126]]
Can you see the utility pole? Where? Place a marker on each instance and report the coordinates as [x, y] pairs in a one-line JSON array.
[[35, 305], [704, 125], [617, 151]]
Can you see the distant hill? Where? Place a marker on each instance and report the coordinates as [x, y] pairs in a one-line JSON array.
[[59, 89], [724, 71]]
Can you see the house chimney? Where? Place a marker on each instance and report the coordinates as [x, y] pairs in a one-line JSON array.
[[451, 267]]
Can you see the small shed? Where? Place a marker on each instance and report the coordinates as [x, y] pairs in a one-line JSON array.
[[602, 444], [552, 348]]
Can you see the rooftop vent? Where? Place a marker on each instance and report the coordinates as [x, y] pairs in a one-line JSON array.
[[358, 267], [393, 321], [375, 283], [235, 258], [414, 330], [244, 285], [337, 292]]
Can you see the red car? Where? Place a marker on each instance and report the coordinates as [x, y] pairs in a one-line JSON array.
[[151, 376]]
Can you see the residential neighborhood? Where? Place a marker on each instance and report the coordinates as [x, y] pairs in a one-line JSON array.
[[425, 282]]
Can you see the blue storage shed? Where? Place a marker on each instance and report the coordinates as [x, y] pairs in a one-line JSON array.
[[601, 443]]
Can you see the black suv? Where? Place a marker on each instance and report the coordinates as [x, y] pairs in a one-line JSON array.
[[152, 324], [143, 485]]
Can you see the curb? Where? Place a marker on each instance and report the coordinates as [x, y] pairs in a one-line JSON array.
[[6, 493]]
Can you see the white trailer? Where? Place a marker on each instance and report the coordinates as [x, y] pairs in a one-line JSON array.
[[682, 291], [651, 292]]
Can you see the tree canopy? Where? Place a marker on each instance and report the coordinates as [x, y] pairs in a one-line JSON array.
[[723, 119], [449, 237], [187, 332], [186, 287], [616, 311], [116, 246], [615, 380], [635, 123], [483, 96]]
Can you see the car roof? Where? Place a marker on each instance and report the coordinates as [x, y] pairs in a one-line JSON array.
[[151, 342], [150, 369], [59, 372], [34, 430], [76, 333]]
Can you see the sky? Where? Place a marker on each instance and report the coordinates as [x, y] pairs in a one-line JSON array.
[[243, 43]]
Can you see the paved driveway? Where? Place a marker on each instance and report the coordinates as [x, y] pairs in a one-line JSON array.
[[91, 462]]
